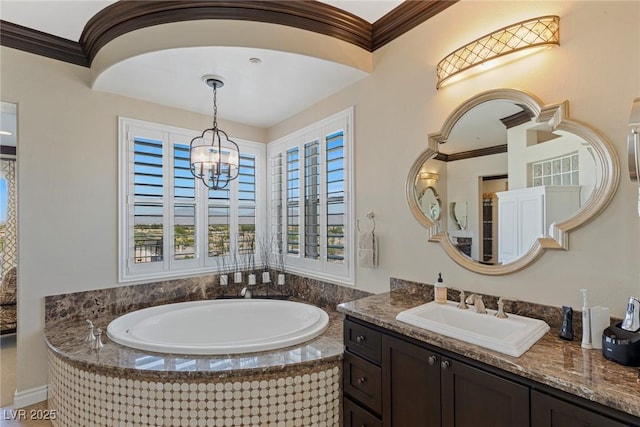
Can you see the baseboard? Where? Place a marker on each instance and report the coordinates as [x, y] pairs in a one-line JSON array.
[[29, 397]]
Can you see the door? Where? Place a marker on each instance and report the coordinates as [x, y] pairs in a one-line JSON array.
[[410, 384], [474, 398], [547, 411]]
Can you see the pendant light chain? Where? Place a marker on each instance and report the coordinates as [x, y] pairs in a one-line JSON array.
[[215, 106]]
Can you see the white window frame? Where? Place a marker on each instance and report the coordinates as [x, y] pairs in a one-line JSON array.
[[321, 269], [128, 270]]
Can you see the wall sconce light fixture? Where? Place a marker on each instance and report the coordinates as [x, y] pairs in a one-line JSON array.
[[541, 32], [428, 175]]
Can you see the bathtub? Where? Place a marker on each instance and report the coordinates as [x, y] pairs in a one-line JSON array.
[[215, 327]]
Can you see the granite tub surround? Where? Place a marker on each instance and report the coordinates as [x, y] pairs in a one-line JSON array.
[[124, 299], [560, 364], [67, 340], [297, 385]]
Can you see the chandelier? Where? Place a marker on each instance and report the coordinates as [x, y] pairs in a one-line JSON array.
[[214, 158]]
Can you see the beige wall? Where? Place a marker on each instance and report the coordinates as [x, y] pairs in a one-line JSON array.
[[596, 68], [67, 186], [68, 203]]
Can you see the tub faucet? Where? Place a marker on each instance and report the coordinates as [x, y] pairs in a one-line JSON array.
[[477, 302], [245, 292]]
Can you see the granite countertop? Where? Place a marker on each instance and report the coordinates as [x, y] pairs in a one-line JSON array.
[[66, 339], [564, 365]]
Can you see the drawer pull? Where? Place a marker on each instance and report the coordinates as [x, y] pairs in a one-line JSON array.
[[361, 339], [361, 380], [445, 364], [432, 360]]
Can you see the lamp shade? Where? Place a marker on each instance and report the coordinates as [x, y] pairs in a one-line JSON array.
[[538, 32]]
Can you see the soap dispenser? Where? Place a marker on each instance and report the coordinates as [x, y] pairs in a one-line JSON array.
[[440, 290]]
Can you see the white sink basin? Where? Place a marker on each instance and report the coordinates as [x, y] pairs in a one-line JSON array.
[[513, 335]]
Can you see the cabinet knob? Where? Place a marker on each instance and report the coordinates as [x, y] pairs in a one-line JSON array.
[[431, 360], [445, 364], [361, 380], [360, 338]]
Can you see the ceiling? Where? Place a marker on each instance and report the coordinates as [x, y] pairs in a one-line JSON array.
[[257, 94], [480, 127]]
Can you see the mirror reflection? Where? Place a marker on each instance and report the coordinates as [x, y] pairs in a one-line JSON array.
[[506, 172], [429, 203]]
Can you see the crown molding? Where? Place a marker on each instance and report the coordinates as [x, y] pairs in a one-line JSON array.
[[44, 44], [129, 15], [125, 16], [463, 155], [403, 18]]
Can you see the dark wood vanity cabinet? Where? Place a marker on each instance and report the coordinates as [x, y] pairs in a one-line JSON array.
[[421, 386], [473, 397], [411, 384], [418, 386], [547, 411]]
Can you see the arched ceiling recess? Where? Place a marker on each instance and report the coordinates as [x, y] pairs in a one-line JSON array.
[[126, 16], [229, 33], [130, 15], [163, 64]]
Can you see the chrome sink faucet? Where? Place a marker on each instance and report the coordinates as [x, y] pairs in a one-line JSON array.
[[477, 302]]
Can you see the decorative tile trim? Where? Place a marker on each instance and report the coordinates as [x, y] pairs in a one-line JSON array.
[[293, 397]]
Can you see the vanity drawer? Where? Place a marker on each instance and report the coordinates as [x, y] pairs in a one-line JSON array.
[[363, 382], [362, 341], [356, 416]]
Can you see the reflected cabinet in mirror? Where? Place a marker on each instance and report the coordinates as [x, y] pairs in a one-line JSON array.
[[508, 177]]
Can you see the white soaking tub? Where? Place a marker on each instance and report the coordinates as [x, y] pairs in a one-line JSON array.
[[230, 326]]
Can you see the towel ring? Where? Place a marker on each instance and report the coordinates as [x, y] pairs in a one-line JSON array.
[[371, 217]]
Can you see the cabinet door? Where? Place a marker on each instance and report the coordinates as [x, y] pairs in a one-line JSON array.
[[474, 398], [410, 384], [547, 411], [356, 416], [531, 221], [362, 381], [507, 230]]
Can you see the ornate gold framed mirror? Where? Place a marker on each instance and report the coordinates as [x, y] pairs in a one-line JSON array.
[[521, 175]]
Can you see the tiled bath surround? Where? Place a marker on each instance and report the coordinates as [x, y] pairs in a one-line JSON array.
[[295, 386], [115, 301], [302, 397]]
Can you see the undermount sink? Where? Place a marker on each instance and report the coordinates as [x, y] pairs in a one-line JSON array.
[[513, 335]]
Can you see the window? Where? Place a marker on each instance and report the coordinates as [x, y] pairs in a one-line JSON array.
[[310, 201], [170, 223], [558, 171]]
